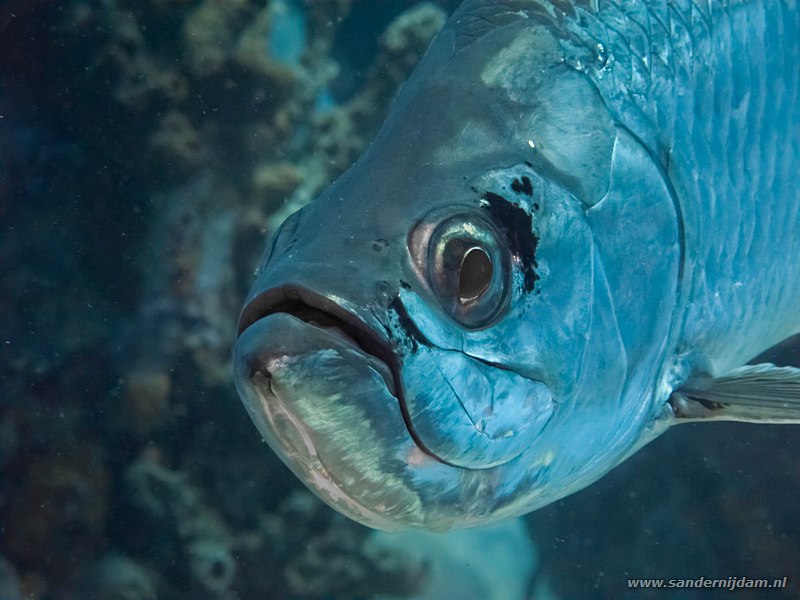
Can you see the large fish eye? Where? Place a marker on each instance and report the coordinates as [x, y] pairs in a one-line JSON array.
[[468, 269]]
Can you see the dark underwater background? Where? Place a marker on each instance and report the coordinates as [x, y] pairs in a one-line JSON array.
[[147, 150]]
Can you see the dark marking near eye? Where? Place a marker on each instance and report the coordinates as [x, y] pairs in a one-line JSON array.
[[522, 187], [410, 330], [518, 228]]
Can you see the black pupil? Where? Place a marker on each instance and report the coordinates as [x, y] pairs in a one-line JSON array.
[[474, 275]]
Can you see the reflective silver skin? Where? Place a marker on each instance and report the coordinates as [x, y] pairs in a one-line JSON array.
[[592, 158]]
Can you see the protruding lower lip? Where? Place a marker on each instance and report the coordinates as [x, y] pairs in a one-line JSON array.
[[323, 313], [264, 358]]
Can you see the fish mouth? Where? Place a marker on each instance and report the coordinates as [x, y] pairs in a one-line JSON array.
[[325, 405], [325, 314]]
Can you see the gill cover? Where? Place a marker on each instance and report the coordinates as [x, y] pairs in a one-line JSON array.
[[480, 397]]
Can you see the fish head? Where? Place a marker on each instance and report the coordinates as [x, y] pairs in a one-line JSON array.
[[433, 343], [421, 368]]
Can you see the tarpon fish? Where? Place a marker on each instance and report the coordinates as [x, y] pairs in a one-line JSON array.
[[578, 224]]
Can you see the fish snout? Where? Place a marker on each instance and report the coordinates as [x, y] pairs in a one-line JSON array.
[[357, 329]]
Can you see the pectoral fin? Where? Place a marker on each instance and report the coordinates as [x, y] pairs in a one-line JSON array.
[[760, 393]]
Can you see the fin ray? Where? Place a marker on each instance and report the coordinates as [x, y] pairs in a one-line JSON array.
[[761, 393]]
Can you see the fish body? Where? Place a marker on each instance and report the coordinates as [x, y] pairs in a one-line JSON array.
[[576, 225]]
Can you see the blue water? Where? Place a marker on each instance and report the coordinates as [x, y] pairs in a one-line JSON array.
[[286, 39], [140, 171]]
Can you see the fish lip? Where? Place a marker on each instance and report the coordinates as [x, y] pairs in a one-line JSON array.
[[301, 454], [294, 299], [285, 298], [323, 481]]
